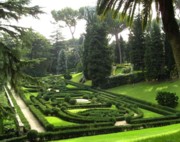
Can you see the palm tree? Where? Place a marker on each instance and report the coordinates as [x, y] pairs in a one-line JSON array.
[[116, 26], [163, 7]]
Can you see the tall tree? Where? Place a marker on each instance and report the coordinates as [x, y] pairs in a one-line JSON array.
[[56, 47], [169, 60], [91, 18], [10, 62], [163, 7], [69, 16], [61, 62], [115, 27], [39, 49], [99, 62], [136, 42], [154, 54]]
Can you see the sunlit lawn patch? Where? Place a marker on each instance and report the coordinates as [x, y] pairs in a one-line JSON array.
[[147, 91], [28, 95], [57, 122], [160, 134], [150, 114]]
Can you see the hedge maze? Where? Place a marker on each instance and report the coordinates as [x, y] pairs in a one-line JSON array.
[[67, 109]]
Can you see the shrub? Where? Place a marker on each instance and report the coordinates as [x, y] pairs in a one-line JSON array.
[[122, 79], [32, 135], [72, 101], [126, 70], [67, 98], [67, 76], [167, 99], [86, 96]]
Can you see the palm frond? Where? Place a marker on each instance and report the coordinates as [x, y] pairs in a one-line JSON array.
[[157, 10], [119, 5], [102, 6], [146, 12]]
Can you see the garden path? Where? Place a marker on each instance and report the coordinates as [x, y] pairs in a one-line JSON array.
[[120, 123], [33, 122]]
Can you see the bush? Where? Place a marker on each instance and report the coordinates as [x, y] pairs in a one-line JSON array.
[[67, 76], [126, 70], [167, 99], [115, 81], [67, 98], [72, 101], [32, 135]]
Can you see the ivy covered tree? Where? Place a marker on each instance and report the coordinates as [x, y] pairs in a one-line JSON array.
[[99, 61]]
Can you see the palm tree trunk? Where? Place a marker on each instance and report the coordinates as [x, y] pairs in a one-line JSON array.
[[119, 48], [171, 29]]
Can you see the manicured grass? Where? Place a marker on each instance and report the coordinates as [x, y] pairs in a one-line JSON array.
[[28, 95], [76, 110], [147, 91], [58, 122], [70, 86], [76, 77], [133, 136], [150, 114]]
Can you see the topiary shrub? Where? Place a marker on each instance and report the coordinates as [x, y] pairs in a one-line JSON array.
[[126, 70], [72, 101], [167, 99], [67, 76], [32, 135], [67, 98]]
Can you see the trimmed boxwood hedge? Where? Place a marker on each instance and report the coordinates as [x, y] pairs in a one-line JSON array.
[[40, 117], [18, 110], [115, 81]]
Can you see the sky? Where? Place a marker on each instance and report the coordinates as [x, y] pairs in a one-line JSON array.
[[44, 25]]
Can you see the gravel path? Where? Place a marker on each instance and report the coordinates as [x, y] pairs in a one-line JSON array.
[[33, 122], [120, 123]]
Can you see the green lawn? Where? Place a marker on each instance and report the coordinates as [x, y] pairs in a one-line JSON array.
[[144, 135], [28, 95], [58, 122], [70, 86], [147, 91], [150, 114], [76, 77]]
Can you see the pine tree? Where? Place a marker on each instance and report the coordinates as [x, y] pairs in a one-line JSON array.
[[61, 62], [154, 54], [136, 42], [99, 62]]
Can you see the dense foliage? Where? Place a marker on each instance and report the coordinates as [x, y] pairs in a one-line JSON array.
[[99, 62], [167, 99]]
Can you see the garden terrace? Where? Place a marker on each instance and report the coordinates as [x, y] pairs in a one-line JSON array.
[[58, 110]]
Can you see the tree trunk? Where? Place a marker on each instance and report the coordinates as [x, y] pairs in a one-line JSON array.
[[119, 48], [171, 29], [1, 126]]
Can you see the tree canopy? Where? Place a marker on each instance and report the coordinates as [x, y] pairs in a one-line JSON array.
[[165, 8]]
